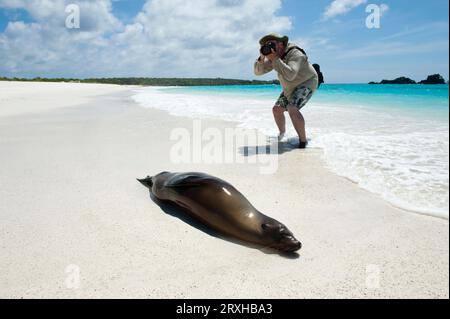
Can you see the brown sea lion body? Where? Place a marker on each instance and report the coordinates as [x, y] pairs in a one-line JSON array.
[[222, 207]]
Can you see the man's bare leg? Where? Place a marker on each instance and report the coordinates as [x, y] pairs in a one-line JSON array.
[[278, 114], [299, 122]]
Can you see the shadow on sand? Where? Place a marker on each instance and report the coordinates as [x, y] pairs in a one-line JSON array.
[[272, 147], [179, 212]]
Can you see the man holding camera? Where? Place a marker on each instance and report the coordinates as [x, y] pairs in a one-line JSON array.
[[297, 76]]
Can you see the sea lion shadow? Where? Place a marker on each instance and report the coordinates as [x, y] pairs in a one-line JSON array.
[[181, 213]]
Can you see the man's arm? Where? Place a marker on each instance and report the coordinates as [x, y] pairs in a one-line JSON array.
[[263, 66], [290, 70]]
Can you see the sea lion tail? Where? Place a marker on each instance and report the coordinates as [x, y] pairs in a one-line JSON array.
[[147, 182]]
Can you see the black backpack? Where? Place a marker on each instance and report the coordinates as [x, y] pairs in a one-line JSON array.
[[315, 65]]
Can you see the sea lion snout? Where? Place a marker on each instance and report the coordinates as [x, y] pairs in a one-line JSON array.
[[290, 244], [287, 244], [284, 238]]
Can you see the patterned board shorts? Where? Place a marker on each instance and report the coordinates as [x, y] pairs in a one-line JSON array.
[[300, 97]]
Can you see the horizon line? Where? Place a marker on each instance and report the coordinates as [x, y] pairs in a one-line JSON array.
[[263, 82]]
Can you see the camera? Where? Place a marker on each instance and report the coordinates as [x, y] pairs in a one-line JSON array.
[[266, 49]]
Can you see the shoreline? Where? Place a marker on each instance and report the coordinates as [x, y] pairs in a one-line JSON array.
[[414, 211], [81, 205], [441, 213]]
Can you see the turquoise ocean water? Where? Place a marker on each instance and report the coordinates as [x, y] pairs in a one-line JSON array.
[[390, 139]]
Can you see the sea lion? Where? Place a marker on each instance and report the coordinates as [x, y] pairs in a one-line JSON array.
[[222, 207]]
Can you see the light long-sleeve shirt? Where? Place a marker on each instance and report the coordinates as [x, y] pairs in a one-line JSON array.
[[293, 70]]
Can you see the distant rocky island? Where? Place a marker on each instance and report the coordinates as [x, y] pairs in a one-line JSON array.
[[431, 79]]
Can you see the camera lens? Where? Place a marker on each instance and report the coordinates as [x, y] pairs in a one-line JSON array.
[[266, 49]]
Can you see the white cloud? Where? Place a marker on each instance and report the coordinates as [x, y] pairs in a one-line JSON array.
[[167, 38], [339, 7], [95, 15]]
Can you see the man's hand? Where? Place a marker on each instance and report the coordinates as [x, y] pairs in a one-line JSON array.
[[273, 56]]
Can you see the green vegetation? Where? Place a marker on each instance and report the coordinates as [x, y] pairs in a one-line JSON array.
[[400, 80], [150, 81]]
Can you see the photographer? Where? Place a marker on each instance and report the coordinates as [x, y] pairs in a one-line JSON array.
[[297, 76]]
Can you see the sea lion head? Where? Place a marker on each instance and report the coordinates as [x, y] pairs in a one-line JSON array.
[[281, 237]]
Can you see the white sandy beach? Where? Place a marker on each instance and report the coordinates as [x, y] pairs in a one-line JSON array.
[[70, 155]]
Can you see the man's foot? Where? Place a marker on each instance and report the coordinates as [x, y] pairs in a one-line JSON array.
[[281, 137], [303, 145]]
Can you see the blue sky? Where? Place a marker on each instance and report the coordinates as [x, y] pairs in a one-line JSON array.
[[218, 38]]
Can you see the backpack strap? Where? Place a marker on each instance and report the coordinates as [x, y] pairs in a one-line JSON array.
[[293, 48], [316, 66]]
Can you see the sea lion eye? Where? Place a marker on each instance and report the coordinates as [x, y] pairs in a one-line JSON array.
[[268, 226]]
